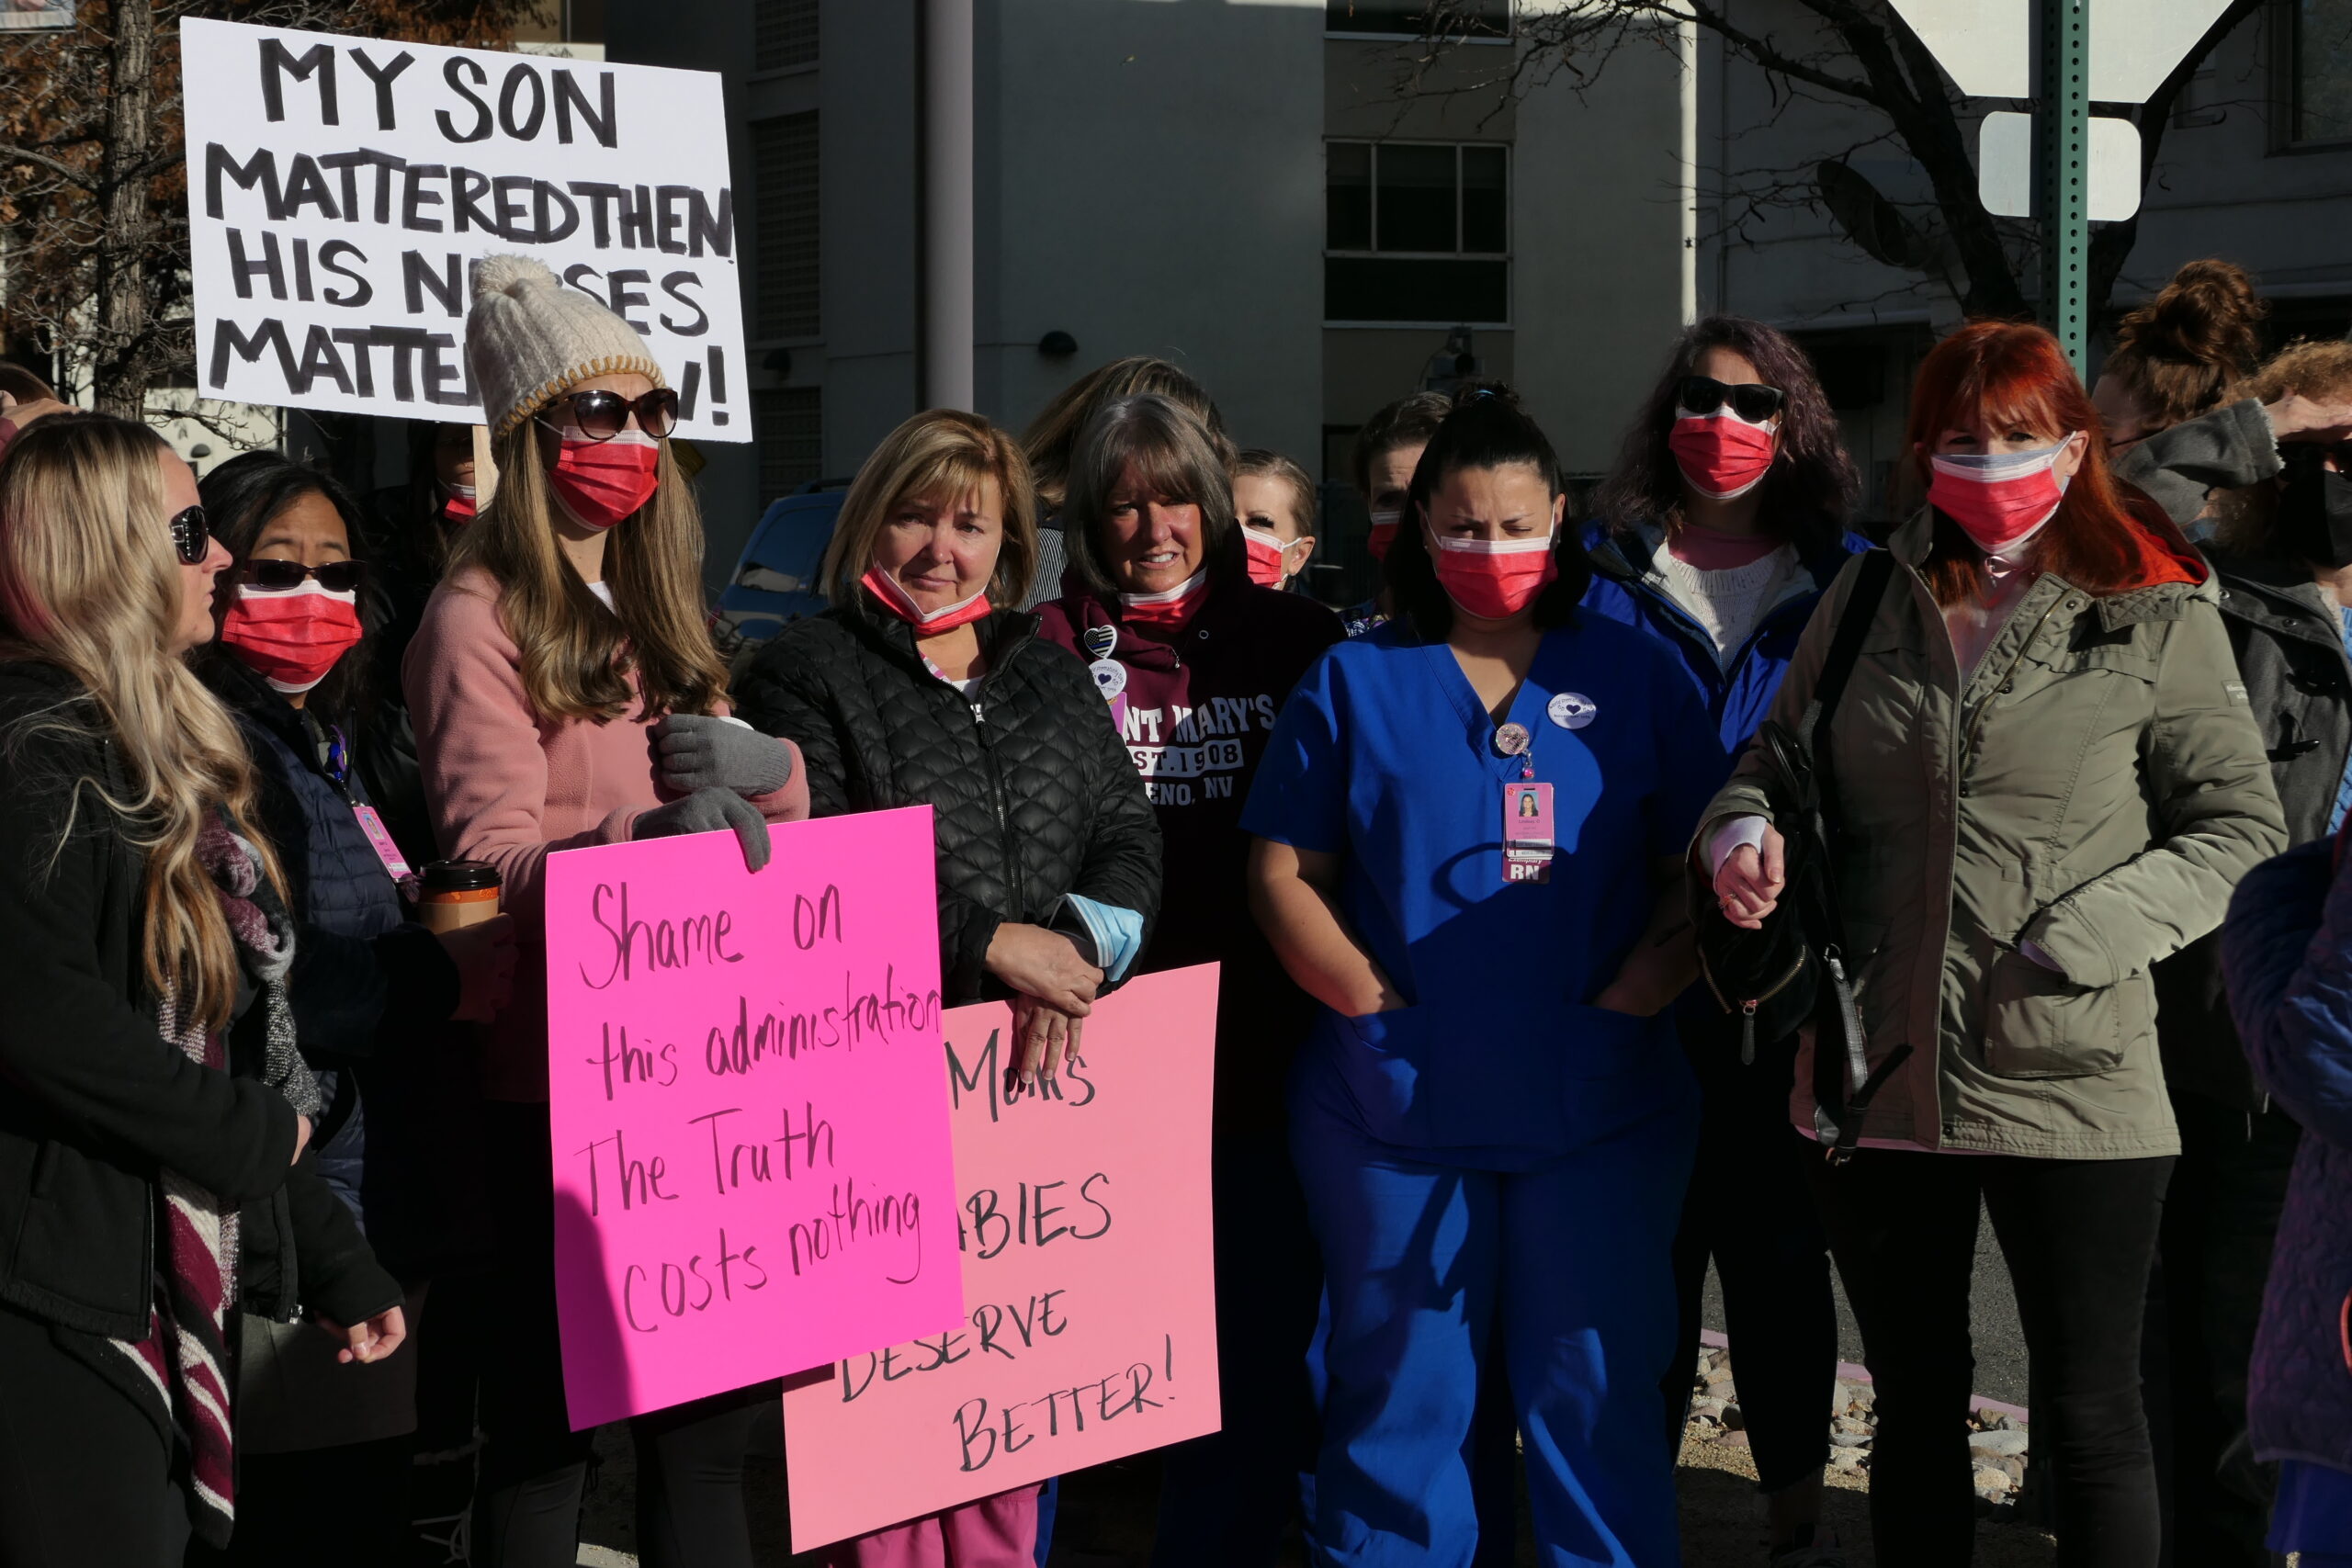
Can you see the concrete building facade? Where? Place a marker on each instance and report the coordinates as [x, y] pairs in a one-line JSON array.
[[1291, 199]]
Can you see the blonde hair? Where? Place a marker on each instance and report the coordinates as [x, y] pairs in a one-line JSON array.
[[1305, 506], [577, 654], [940, 454], [89, 581], [2242, 518], [1052, 436]]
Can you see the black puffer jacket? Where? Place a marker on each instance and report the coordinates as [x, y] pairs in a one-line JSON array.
[[1033, 793]]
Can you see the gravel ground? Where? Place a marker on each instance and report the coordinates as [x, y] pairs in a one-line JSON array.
[[1107, 1513]]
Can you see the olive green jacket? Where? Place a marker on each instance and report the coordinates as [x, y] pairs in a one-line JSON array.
[[2096, 787]]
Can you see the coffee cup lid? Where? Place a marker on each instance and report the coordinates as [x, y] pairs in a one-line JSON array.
[[460, 875]]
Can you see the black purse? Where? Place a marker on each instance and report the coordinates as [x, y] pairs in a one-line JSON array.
[[1796, 970]]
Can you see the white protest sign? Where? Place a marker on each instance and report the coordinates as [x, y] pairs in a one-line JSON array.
[[340, 188]]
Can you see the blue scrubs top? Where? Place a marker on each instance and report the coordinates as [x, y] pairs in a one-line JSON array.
[[1384, 756]]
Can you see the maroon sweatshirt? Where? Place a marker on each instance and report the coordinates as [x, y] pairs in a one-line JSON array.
[[1197, 711]]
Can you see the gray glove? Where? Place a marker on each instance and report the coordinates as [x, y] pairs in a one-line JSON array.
[[707, 811], [691, 753]]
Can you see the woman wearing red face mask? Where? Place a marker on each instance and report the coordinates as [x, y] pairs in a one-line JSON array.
[[1490, 1119], [1722, 525], [325, 1447], [2047, 779], [565, 694]]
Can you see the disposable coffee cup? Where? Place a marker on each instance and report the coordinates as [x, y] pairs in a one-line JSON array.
[[456, 893]]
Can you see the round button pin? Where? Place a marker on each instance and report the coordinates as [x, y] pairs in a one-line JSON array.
[[1110, 677], [1571, 710], [1512, 739]]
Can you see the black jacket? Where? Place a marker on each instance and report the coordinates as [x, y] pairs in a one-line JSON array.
[[2289, 637], [93, 1103], [371, 993], [1033, 794]]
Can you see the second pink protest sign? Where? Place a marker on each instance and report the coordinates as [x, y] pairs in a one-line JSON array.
[[754, 1171]]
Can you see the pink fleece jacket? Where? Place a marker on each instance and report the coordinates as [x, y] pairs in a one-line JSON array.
[[507, 786]]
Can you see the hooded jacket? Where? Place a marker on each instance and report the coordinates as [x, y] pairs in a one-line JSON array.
[[1032, 796], [2096, 787], [1195, 714], [2288, 634], [1738, 691]]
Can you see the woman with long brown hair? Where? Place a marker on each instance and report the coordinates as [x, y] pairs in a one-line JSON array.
[[2046, 779], [1716, 533], [154, 1089], [565, 694]]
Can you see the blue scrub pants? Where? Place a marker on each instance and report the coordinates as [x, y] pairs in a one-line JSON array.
[[1571, 1262]]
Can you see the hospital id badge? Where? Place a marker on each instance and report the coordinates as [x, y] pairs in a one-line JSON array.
[[1528, 844]]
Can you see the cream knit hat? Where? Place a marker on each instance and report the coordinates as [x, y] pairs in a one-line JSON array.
[[528, 339]]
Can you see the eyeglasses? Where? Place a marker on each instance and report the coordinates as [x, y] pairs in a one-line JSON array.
[[191, 536], [1752, 400], [600, 415], [334, 576]]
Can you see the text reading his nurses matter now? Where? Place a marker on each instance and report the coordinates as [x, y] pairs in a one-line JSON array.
[[1089, 1328], [340, 189], [751, 1161]]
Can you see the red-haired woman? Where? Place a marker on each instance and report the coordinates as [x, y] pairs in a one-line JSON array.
[[2048, 779]]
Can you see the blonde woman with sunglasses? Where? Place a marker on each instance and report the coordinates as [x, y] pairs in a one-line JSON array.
[[154, 1101]]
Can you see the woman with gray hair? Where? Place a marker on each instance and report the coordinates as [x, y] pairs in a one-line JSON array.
[[1194, 660]]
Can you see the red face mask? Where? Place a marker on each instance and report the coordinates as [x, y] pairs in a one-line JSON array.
[[291, 637], [1493, 579], [1266, 549], [459, 506], [1170, 608], [894, 598], [601, 483], [1720, 454], [1383, 533], [1999, 498]]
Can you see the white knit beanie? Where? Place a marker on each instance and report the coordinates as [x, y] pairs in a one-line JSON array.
[[528, 339]]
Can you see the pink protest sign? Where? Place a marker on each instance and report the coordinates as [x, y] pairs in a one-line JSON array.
[[1091, 1331], [752, 1166]]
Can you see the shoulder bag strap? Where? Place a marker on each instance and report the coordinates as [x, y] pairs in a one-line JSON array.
[[1844, 1065]]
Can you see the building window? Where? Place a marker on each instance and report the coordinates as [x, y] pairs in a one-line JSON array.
[[784, 35], [1418, 18], [1417, 232], [790, 424], [783, 164], [2318, 36]]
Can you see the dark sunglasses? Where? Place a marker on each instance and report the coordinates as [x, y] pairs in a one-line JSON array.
[[334, 576], [1752, 400], [600, 416], [191, 536]]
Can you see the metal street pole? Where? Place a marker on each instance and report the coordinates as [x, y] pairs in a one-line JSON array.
[[945, 353], [2062, 174]]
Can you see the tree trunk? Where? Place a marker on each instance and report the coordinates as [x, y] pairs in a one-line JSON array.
[[122, 369]]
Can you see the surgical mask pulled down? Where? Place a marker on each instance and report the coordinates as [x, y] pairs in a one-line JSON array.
[[1999, 498]]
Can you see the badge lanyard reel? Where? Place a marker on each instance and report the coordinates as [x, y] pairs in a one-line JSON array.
[[334, 756], [1528, 840]]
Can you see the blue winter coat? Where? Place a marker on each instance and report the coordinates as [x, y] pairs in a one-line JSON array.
[[1739, 692], [371, 993], [2287, 959]]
